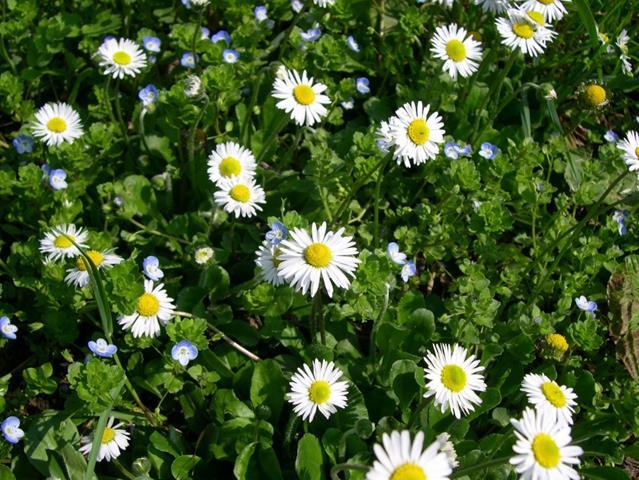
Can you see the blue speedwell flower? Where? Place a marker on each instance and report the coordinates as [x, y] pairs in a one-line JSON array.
[[611, 136], [184, 352], [148, 95], [311, 34], [392, 250], [362, 85], [220, 36], [586, 305], [352, 43], [620, 217], [230, 56], [277, 233], [8, 330], [151, 268], [408, 270], [152, 44], [451, 150], [23, 143], [205, 33], [101, 348], [188, 60], [260, 13], [297, 6], [11, 429], [58, 179], [348, 104], [488, 150]]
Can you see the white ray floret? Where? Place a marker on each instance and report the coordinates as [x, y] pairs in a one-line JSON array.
[[317, 389], [268, 260], [300, 97], [79, 275], [121, 58], [113, 442], [153, 307], [459, 50], [525, 31], [546, 395], [58, 244], [229, 160], [56, 123], [240, 196], [630, 147]]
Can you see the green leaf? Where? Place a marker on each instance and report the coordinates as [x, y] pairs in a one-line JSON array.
[[308, 463], [604, 473], [39, 380], [5, 473], [182, 466], [588, 20], [268, 386]]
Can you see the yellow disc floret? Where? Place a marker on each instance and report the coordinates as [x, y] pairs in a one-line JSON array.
[[537, 18], [453, 378], [557, 342], [319, 392], [121, 58], [148, 305], [545, 450], [409, 471], [523, 30], [107, 435], [304, 94], [318, 255], [456, 50], [553, 394], [240, 193], [63, 242], [418, 131], [230, 166], [57, 125], [95, 256], [595, 95]]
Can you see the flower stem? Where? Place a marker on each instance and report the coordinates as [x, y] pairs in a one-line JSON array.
[[266, 146], [378, 185], [191, 152], [118, 110], [317, 303], [196, 34], [346, 466]]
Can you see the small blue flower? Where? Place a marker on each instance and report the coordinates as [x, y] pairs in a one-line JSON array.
[[45, 171], [222, 35], [148, 95], [488, 150], [348, 104], [58, 179], [611, 136], [151, 268], [230, 56], [311, 34], [205, 33], [392, 250], [464, 151], [7, 329], [352, 43], [184, 352], [260, 13], [620, 217], [152, 44], [188, 60], [586, 305], [362, 85], [408, 270], [101, 348], [107, 38], [23, 144], [277, 233], [451, 150], [11, 429], [297, 6]]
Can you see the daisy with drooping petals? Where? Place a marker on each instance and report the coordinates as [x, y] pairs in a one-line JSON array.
[[493, 6], [551, 9], [79, 275], [121, 57], [300, 97], [453, 378], [324, 3], [153, 306], [323, 257], [460, 52], [543, 449], [114, 441], [230, 159], [318, 389], [630, 147], [57, 244], [415, 134], [445, 3], [399, 458], [239, 196], [56, 123], [520, 31], [545, 395], [268, 260]]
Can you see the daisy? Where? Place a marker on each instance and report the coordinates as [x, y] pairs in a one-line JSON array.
[[203, 255], [595, 95], [55, 244], [545, 395], [102, 348], [300, 97], [415, 134], [323, 257], [229, 160], [551, 9], [56, 123], [460, 52], [453, 378], [543, 449], [153, 306], [399, 458], [445, 3], [520, 31], [384, 137], [121, 58], [630, 147], [268, 261], [493, 6], [447, 447], [7, 329], [79, 276], [239, 196], [183, 352], [11, 430], [192, 86], [324, 3], [317, 389], [113, 441]]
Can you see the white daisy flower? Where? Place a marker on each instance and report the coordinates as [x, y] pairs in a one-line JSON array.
[[415, 134], [268, 261], [630, 147], [447, 447], [79, 276], [192, 86], [399, 458], [300, 97], [460, 52], [323, 257], [56, 123], [121, 57], [453, 378], [317, 389], [230, 159], [114, 441], [55, 244], [445, 3], [493, 6], [203, 255], [545, 395], [153, 306], [324, 3], [543, 449], [551, 9], [239, 196], [522, 30]]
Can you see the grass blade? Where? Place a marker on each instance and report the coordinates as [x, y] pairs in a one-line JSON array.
[[589, 21]]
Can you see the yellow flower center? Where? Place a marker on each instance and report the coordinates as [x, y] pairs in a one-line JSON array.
[[319, 392], [637, 152], [95, 256], [453, 378], [456, 50], [318, 255], [240, 193], [418, 131], [523, 30], [557, 341], [537, 18], [409, 471], [595, 95], [148, 305], [107, 435], [604, 38], [57, 125], [121, 58], [553, 394], [545, 450], [304, 94], [230, 166], [546, 2], [63, 242]]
